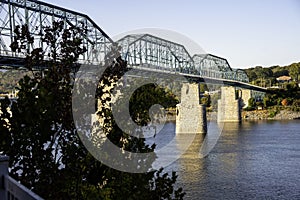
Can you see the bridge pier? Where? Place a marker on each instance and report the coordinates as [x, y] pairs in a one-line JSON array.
[[190, 114], [229, 106]]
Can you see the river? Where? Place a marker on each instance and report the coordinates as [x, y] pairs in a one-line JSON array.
[[251, 160]]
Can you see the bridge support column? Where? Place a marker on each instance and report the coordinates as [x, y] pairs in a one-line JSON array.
[[190, 115], [229, 106]]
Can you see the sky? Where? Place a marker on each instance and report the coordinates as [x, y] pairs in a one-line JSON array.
[[247, 33]]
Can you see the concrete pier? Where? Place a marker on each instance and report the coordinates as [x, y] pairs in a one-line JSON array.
[[190, 115], [229, 106]]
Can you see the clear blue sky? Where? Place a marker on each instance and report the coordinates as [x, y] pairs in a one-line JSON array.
[[247, 33]]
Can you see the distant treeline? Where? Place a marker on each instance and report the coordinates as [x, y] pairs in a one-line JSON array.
[[266, 76]]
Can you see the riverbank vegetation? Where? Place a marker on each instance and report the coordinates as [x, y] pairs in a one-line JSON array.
[[283, 84], [282, 95]]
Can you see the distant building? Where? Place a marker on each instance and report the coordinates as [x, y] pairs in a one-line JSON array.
[[284, 79]]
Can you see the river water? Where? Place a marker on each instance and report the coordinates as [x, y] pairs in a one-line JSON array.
[[251, 160]]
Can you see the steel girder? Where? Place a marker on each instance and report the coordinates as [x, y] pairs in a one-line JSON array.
[[38, 15], [240, 75], [148, 51], [212, 66], [153, 53]]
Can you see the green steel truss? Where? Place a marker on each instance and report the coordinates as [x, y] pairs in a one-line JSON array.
[[149, 52], [143, 51], [38, 15], [152, 52]]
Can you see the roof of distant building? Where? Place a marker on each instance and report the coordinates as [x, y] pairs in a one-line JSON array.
[[284, 78]]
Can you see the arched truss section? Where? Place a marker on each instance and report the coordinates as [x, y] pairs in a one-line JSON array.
[[148, 51], [38, 15], [240, 75], [212, 66]]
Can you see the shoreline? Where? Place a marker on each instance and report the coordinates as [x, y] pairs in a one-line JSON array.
[[267, 115], [250, 115]]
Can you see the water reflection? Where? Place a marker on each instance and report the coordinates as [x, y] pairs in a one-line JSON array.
[[252, 160], [189, 160]]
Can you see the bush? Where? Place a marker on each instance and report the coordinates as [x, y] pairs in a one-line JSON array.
[[206, 100], [273, 113], [251, 103], [249, 109], [296, 103]]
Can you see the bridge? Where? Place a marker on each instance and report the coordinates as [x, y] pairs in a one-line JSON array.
[[144, 52]]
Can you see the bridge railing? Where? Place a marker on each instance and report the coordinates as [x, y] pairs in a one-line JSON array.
[[10, 189]]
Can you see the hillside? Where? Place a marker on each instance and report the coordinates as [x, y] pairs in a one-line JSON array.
[[266, 76]]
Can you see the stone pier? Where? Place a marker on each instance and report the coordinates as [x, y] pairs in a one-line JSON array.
[[229, 106], [190, 115]]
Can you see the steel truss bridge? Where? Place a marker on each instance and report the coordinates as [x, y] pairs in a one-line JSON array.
[[141, 51]]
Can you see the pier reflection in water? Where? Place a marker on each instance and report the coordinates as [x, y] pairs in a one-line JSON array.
[[252, 160]]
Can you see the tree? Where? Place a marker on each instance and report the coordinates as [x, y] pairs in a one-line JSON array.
[[203, 88], [252, 75], [205, 100], [251, 103], [40, 136], [282, 72], [294, 71], [214, 100]]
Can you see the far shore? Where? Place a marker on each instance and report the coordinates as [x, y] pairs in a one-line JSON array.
[[267, 114], [250, 115]]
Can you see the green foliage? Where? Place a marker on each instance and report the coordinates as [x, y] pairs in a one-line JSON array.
[[267, 76], [266, 101], [290, 94], [203, 88], [40, 136], [146, 96], [205, 100], [214, 101], [251, 104], [273, 112], [281, 72], [296, 105], [294, 71]]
